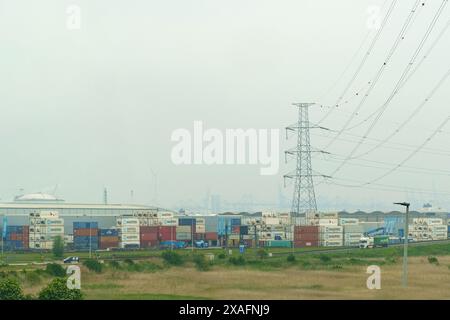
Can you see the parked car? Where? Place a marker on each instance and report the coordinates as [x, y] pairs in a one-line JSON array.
[[71, 260]]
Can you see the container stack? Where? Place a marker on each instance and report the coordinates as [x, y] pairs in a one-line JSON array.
[[353, 231], [425, 229], [17, 238], [85, 235], [306, 236], [321, 218], [331, 236], [148, 236], [183, 233], [129, 232], [45, 226], [200, 229], [211, 230], [108, 238], [228, 230]]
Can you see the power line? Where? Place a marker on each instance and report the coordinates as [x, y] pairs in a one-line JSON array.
[[374, 81], [363, 61], [424, 57], [394, 145], [407, 120], [399, 82], [412, 154], [382, 187]]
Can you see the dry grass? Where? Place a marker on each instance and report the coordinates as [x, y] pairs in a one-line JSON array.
[[426, 281]]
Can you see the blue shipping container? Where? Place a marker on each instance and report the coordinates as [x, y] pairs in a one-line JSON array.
[[108, 232], [85, 225], [14, 229], [186, 221], [13, 244]]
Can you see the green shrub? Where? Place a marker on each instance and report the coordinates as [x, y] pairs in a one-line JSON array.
[[324, 258], [114, 264], [55, 270], [57, 290], [172, 258], [33, 278], [58, 247], [93, 265], [262, 253], [239, 261], [433, 260], [10, 290], [291, 258], [200, 263], [128, 261], [221, 255]]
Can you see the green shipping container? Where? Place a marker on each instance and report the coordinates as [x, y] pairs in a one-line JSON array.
[[279, 244]]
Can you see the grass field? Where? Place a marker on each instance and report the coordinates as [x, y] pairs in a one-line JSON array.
[[339, 275]]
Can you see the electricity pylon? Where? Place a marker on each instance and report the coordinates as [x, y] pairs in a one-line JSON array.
[[304, 198]]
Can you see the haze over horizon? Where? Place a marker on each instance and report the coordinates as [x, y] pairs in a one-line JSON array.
[[95, 107]]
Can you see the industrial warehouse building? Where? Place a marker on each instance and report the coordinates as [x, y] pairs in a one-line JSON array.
[[18, 211]]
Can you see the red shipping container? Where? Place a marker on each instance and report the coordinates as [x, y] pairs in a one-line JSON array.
[[306, 229], [149, 236], [211, 236], [149, 244], [85, 232], [306, 236], [147, 229], [301, 243], [109, 239], [167, 233], [106, 245]]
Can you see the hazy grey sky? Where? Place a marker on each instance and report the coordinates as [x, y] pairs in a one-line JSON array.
[[96, 107]]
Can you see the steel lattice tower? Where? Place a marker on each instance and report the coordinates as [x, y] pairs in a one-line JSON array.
[[304, 198]]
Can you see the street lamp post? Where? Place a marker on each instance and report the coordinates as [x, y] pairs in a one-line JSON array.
[[405, 243]]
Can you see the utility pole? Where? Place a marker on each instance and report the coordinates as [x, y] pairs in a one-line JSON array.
[[405, 243], [304, 198]]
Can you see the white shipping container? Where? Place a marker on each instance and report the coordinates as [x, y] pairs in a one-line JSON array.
[[165, 215], [428, 221], [331, 229], [328, 215], [127, 222], [438, 228], [328, 222], [200, 221], [269, 214], [129, 237], [331, 236], [129, 230], [351, 243], [183, 229], [124, 244], [348, 221], [199, 228], [352, 236], [272, 221], [169, 222], [46, 230], [48, 214], [439, 236], [331, 243]]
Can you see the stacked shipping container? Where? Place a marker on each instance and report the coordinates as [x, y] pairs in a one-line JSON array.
[[129, 232], [108, 238], [306, 236], [45, 226], [149, 236], [16, 238], [85, 235]]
